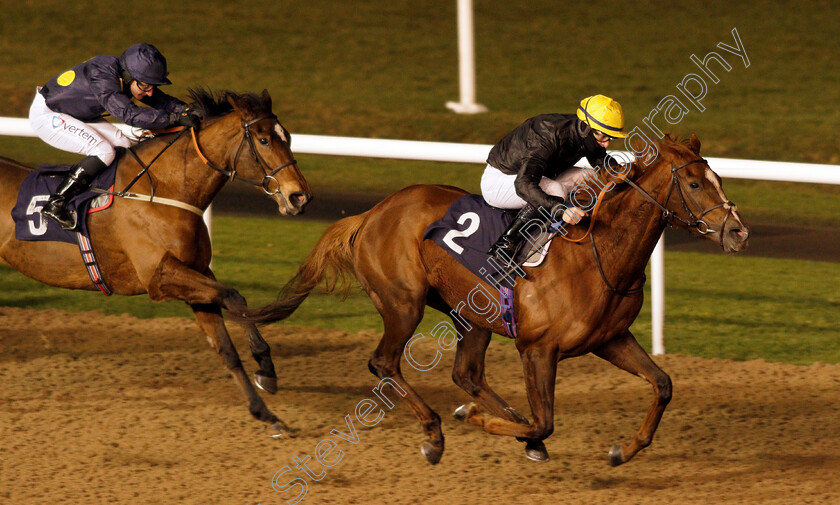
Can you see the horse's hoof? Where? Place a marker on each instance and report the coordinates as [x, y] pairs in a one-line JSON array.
[[464, 411], [536, 451], [281, 430], [267, 384], [431, 453], [616, 457]]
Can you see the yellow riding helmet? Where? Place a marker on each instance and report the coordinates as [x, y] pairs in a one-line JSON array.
[[604, 114]]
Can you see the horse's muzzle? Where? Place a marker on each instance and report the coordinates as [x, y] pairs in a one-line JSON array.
[[294, 204], [735, 237]]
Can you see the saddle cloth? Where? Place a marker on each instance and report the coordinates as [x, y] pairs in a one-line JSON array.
[[470, 227], [36, 190]]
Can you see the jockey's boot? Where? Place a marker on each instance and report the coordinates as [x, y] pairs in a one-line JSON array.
[[507, 246], [76, 182]]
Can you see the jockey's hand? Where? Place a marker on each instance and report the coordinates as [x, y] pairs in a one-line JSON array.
[[188, 117], [573, 215]]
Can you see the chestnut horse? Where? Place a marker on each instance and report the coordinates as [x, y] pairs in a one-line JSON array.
[[579, 301], [164, 249]]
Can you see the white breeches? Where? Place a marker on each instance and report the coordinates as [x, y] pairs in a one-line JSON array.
[[498, 190], [62, 131]]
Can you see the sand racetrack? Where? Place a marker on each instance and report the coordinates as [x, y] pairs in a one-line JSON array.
[[97, 409]]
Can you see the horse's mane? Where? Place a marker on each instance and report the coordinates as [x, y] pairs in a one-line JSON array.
[[667, 142], [675, 141], [214, 104]]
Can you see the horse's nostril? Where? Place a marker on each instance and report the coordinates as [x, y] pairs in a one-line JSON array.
[[297, 200], [739, 234]]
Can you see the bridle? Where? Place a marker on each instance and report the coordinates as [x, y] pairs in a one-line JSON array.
[[268, 175], [268, 172], [694, 221]]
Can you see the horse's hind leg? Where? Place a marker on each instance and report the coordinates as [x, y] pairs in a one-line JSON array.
[[468, 374], [401, 319], [626, 353]]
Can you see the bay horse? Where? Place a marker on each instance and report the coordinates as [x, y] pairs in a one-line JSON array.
[[580, 300], [164, 250]]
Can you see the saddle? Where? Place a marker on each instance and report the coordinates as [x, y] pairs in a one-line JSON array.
[[31, 225], [36, 190]]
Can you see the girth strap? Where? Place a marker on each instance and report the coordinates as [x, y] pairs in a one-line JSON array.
[[506, 303], [91, 264]]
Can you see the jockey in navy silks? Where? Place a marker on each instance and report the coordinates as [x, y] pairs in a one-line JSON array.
[[68, 111]]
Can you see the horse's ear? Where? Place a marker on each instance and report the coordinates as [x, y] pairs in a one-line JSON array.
[[694, 144], [266, 98]]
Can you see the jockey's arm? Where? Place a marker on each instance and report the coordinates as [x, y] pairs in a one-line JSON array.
[[161, 101]]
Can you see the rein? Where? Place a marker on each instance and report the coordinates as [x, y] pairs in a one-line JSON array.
[[151, 198], [693, 221]]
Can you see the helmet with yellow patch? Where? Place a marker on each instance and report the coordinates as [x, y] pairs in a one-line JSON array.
[[604, 114]]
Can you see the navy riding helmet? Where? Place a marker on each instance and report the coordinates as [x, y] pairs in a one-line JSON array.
[[145, 64]]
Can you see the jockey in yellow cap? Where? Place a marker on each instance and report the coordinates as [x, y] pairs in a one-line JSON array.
[[533, 165]]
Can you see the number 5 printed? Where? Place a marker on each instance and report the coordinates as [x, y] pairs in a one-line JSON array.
[[34, 210], [449, 238]]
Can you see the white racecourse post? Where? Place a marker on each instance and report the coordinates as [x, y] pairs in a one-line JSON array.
[[477, 153], [466, 62]]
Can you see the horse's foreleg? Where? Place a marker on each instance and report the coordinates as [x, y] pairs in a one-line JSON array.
[[174, 280], [626, 353], [265, 378], [210, 321], [468, 372], [540, 369]]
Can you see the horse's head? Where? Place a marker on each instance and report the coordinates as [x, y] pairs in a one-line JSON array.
[[255, 146], [695, 199], [270, 158]]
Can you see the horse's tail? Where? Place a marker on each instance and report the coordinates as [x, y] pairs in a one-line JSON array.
[[329, 262]]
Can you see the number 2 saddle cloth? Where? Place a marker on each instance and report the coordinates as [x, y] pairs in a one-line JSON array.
[[468, 230]]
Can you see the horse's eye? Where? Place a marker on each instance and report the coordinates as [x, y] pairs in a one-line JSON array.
[[694, 185], [264, 141]]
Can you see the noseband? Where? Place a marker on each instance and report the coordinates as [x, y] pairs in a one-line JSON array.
[[695, 222]]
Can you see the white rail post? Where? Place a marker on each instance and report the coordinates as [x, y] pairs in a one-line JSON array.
[[466, 62], [657, 296], [208, 219]]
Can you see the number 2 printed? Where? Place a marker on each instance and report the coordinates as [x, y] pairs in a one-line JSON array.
[[449, 238]]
